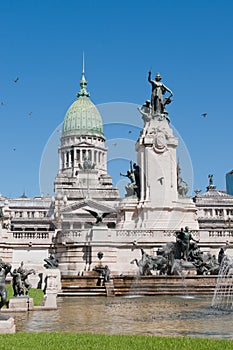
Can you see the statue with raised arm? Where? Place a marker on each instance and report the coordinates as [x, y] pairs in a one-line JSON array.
[[158, 90], [133, 174]]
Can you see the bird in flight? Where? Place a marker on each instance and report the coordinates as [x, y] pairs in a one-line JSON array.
[[130, 132], [204, 114], [114, 144], [29, 113], [15, 80]]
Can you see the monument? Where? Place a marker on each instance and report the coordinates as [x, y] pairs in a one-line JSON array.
[[159, 196]]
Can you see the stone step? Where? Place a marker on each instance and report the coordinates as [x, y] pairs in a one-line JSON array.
[[146, 285]]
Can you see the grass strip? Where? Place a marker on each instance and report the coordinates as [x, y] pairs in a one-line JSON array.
[[54, 341]]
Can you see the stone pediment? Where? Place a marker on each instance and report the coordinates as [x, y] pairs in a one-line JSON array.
[[80, 206]]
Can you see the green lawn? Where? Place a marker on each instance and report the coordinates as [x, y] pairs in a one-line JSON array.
[[69, 341]]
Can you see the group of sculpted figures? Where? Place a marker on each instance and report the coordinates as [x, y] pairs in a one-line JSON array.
[[20, 282], [133, 188], [173, 256]]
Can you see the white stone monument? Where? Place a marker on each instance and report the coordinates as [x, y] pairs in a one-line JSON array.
[[160, 200]]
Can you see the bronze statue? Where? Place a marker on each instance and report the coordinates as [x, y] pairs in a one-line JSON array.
[[210, 180], [99, 216], [183, 238], [150, 263], [17, 283], [24, 277], [100, 255], [221, 255], [172, 256], [134, 186], [103, 271], [51, 262], [158, 90], [5, 268]]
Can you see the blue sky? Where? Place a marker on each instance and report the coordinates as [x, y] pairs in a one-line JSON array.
[[188, 42]]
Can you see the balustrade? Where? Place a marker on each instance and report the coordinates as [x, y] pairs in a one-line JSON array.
[[21, 235]]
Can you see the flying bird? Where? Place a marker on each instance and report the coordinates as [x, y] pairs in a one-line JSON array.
[[114, 144], [99, 216], [204, 114], [15, 80], [160, 179], [129, 131], [29, 113]]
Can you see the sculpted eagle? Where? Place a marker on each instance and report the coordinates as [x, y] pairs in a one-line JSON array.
[[98, 215]]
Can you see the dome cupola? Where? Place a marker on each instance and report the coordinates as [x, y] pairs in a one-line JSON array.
[[82, 117]]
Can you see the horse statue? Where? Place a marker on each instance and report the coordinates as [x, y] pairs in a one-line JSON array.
[[150, 263]]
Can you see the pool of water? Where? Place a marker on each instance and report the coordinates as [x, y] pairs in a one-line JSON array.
[[158, 315]]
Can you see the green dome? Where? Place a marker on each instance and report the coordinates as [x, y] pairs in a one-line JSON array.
[[82, 116]]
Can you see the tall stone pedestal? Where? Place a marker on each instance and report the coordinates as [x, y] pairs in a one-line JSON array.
[[7, 324], [159, 206]]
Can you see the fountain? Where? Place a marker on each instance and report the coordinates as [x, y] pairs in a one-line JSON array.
[[159, 315], [223, 295]]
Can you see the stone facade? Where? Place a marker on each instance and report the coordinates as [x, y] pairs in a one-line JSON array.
[[26, 230], [215, 215]]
